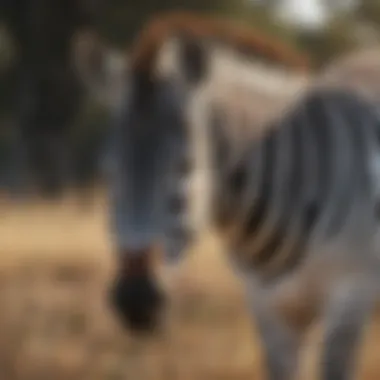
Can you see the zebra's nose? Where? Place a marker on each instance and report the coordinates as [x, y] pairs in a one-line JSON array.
[[135, 294]]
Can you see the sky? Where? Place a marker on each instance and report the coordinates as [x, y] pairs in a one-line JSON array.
[[310, 13], [305, 12]]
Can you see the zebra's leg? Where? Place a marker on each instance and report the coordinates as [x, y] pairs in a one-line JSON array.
[[347, 310], [280, 341]]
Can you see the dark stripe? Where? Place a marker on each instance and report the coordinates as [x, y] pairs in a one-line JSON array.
[[320, 137], [307, 207], [219, 147], [305, 204], [350, 166], [364, 124], [260, 208], [290, 189], [309, 217], [238, 179]]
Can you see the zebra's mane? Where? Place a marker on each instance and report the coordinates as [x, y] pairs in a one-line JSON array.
[[160, 28]]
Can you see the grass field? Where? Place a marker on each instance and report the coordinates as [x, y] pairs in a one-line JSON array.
[[55, 265]]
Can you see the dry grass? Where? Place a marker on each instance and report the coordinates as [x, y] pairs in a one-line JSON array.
[[55, 264]]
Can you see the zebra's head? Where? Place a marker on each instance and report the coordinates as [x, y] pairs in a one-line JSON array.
[[152, 163]]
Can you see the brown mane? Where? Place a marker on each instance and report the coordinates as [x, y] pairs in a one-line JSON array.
[[161, 27]]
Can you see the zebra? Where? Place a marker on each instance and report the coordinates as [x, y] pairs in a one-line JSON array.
[[169, 97], [296, 209]]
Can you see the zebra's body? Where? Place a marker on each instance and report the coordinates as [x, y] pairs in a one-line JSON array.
[[296, 206], [301, 182], [296, 211]]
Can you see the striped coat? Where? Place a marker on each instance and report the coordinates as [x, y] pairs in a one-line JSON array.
[[295, 201], [296, 207]]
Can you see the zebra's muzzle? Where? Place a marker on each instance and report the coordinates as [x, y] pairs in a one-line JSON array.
[[135, 295]]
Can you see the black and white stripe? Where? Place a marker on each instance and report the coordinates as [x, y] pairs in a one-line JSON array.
[[178, 234], [295, 204], [297, 212], [300, 181]]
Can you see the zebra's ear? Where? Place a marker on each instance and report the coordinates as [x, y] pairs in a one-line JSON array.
[[193, 59]]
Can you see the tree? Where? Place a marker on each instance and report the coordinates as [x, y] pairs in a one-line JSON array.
[[48, 93]]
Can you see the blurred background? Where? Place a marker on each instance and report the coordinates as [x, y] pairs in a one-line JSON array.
[[61, 69], [50, 50]]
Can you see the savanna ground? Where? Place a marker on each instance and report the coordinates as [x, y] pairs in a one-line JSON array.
[[55, 266]]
